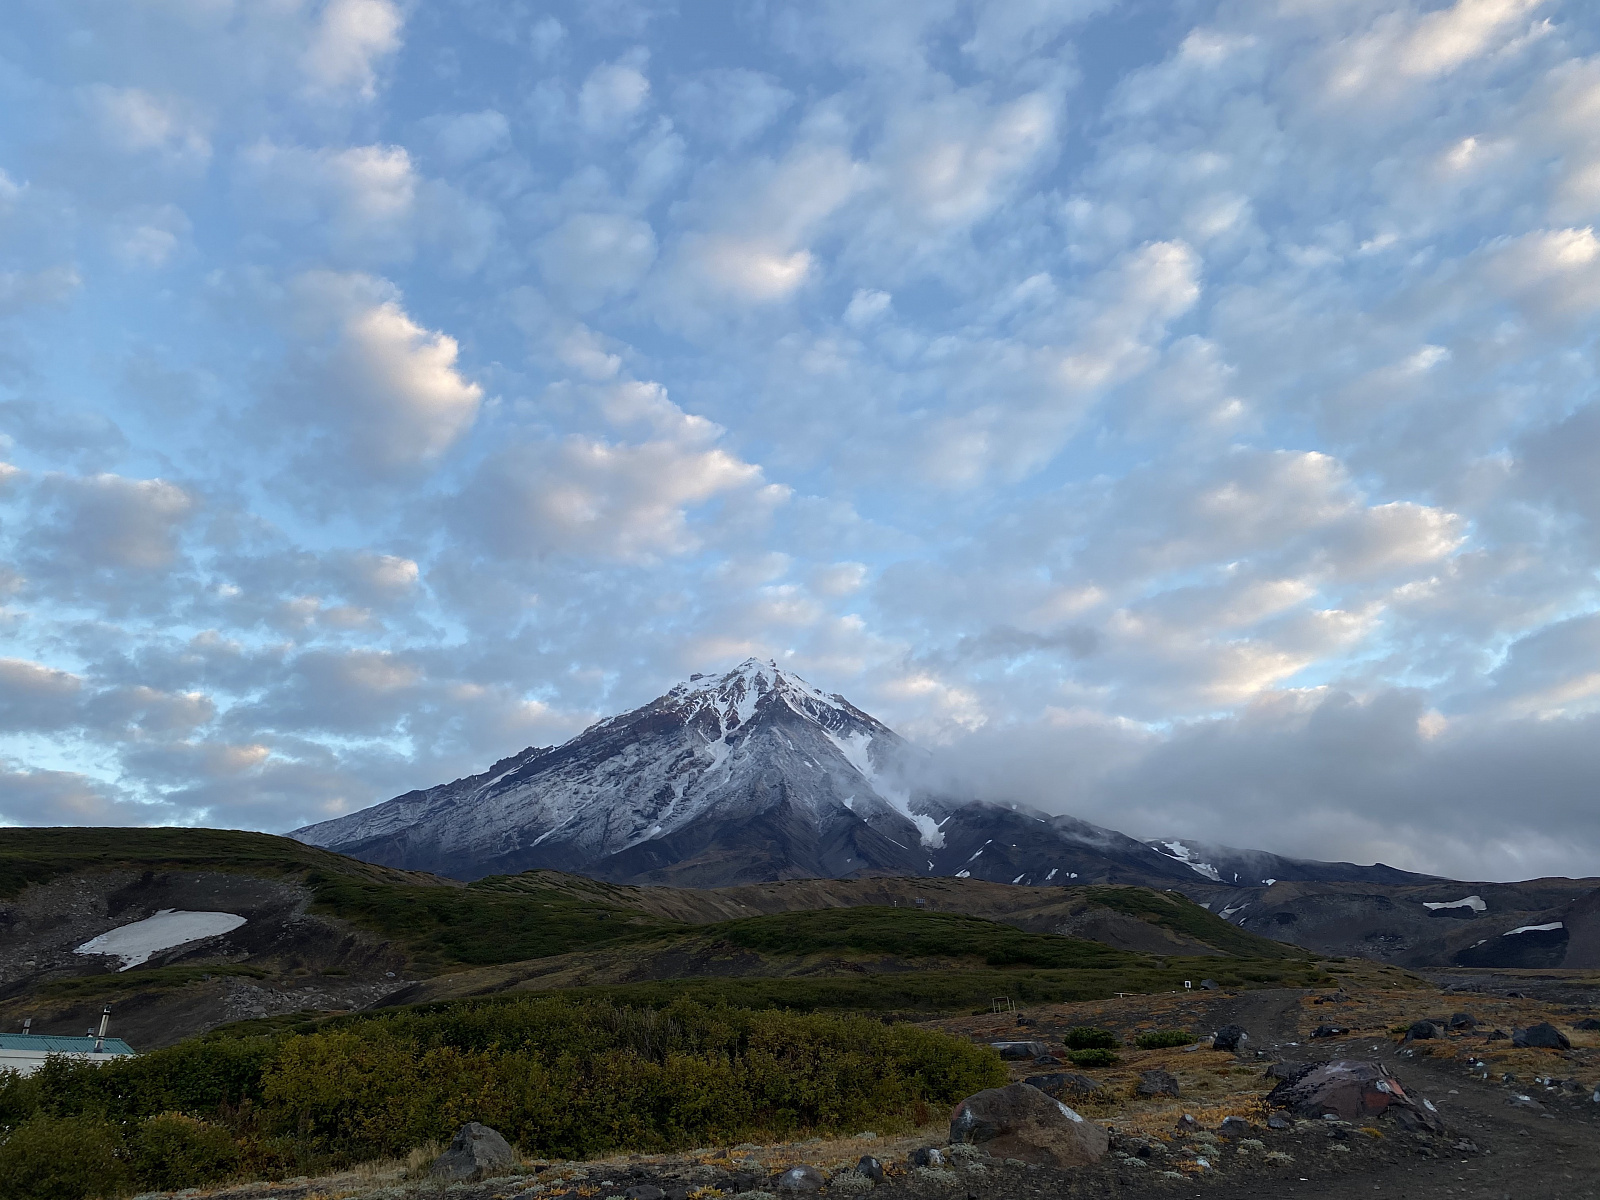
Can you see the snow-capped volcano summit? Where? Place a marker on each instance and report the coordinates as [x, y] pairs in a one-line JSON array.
[[753, 774]]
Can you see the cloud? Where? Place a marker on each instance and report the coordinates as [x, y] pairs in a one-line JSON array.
[[600, 499], [591, 257], [386, 390], [351, 39], [614, 94], [111, 522], [1184, 412], [467, 137], [730, 105]]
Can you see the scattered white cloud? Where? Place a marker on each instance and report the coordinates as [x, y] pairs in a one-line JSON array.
[[1167, 409]]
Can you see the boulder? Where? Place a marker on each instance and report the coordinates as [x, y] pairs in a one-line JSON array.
[[1017, 1051], [870, 1168], [1047, 1060], [1463, 1021], [802, 1179], [1421, 1031], [928, 1156], [643, 1191], [1279, 1122], [1230, 1037], [1234, 1127], [1022, 1122], [1210, 985], [1156, 1083], [1061, 1084], [1329, 1031], [1352, 1091], [1543, 1036], [1588, 1023], [1291, 1071], [476, 1152]]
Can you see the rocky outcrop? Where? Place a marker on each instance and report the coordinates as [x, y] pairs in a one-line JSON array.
[[1022, 1122], [1353, 1091]]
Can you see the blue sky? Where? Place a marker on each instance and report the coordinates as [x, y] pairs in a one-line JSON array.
[[1180, 414]]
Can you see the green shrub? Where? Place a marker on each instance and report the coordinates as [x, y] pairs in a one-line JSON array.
[[1086, 1037], [1162, 1039], [1095, 1057], [62, 1158], [173, 1151], [577, 1079]]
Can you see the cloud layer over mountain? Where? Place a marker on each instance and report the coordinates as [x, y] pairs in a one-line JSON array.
[[1179, 414]]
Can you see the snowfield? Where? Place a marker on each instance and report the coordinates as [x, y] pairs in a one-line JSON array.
[[134, 944]]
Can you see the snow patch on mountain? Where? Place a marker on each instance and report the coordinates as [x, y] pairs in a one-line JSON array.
[[1184, 855]]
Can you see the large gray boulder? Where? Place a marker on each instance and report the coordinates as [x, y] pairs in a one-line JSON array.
[[1022, 1122], [476, 1152]]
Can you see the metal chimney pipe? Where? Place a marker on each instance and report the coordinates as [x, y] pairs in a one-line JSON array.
[[105, 1023], [27, 1025]]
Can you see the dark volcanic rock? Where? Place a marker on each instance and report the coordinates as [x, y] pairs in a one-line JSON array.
[[1352, 1091], [1156, 1083], [1018, 1051], [1422, 1031], [1329, 1031], [1061, 1085], [1543, 1036], [1231, 1037], [1290, 1072], [870, 1168], [1463, 1021], [1023, 1123], [475, 1152]]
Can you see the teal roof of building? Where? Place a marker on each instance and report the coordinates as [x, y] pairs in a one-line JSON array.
[[49, 1043]]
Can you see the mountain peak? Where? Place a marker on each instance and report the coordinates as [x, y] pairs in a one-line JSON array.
[[756, 758]]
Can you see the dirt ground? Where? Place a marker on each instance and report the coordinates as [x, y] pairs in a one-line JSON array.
[[1522, 1124]]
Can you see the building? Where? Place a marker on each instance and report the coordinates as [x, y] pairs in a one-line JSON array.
[[25, 1052]]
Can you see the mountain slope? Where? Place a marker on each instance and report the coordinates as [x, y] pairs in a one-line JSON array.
[[751, 775]]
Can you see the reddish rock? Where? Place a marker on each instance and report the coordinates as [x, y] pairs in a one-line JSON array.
[[1353, 1091]]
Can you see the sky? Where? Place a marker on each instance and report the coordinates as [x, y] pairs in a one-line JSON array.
[[1178, 413]]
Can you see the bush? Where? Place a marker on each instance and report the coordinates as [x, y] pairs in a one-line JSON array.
[[1095, 1057], [573, 1080], [1162, 1039], [173, 1151], [62, 1158], [1089, 1038]]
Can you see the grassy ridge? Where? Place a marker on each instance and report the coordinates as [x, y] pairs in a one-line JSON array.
[[928, 992], [439, 923], [914, 933], [1182, 915]]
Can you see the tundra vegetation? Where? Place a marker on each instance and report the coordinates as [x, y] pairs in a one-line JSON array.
[[556, 1076]]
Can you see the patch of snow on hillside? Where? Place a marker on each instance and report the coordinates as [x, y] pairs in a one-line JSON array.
[[1475, 903], [855, 750], [1533, 929], [1184, 855], [135, 943]]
